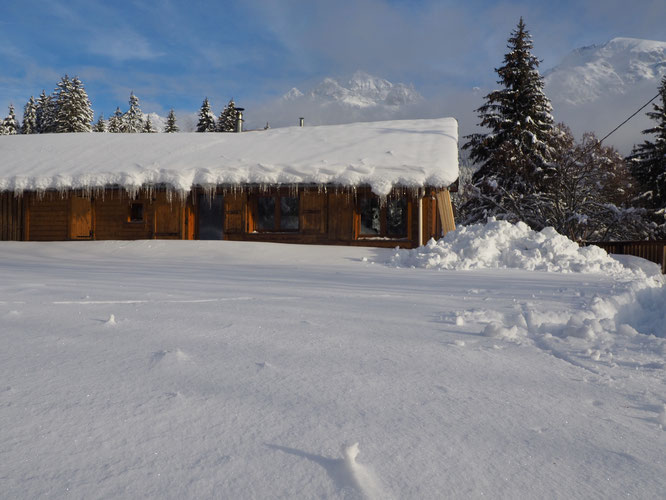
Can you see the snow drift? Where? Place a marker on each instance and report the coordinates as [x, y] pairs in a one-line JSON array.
[[501, 245]]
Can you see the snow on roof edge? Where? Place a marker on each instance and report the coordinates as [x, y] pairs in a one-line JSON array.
[[382, 155]]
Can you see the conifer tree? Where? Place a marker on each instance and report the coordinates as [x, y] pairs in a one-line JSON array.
[[171, 126], [73, 110], [148, 126], [133, 118], [46, 111], [100, 125], [514, 157], [206, 118], [116, 122], [9, 124], [648, 166], [228, 118], [29, 125]]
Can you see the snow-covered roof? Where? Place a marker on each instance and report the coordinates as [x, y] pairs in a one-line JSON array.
[[407, 153]]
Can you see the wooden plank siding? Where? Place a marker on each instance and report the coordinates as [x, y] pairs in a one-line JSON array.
[[325, 216], [47, 217], [445, 209], [11, 217], [112, 218]]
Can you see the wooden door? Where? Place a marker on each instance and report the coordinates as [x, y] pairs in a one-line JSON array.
[[233, 214], [167, 220], [313, 212], [341, 221], [80, 218]]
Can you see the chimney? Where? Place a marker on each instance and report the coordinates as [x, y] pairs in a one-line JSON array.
[[301, 121], [239, 119]]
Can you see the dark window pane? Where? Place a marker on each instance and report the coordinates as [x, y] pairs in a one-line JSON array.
[[288, 213], [396, 217], [136, 212], [266, 213], [211, 217], [370, 216]]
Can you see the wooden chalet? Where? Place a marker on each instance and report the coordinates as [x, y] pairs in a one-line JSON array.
[[375, 184]]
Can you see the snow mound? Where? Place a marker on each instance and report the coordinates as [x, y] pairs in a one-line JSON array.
[[502, 245]]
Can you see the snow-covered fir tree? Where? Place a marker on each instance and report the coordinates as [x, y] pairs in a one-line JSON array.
[[29, 125], [46, 114], [116, 122], [228, 118], [73, 109], [133, 118], [648, 165], [100, 124], [171, 127], [206, 118], [9, 125], [148, 126], [514, 156]]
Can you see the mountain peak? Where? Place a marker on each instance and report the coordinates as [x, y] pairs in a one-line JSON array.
[[588, 73], [361, 90]]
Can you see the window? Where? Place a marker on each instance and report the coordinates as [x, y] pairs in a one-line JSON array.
[[389, 220], [211, 217], [136, 212], [277, 213]]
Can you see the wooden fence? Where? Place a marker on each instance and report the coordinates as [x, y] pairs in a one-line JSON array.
[[654, 251]]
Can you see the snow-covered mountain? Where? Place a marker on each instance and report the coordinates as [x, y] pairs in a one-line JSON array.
[[360, 91], [613, 68], [361, 97], [595, 88]]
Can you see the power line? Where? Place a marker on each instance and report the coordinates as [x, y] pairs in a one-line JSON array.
[[625, 121], [598, 143]]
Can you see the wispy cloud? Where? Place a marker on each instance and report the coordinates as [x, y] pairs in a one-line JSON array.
[[123, 45]]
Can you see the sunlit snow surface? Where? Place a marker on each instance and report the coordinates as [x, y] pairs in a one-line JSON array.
[[406, 153], [165, 369]]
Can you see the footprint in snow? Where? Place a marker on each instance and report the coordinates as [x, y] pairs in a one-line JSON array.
[[350, 477], [169, 357]]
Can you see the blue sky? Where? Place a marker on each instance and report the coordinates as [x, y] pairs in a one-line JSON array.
[[174, 53]]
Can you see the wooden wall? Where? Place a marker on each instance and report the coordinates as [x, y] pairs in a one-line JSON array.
[[47, 217], [11, 217], [325, 217]]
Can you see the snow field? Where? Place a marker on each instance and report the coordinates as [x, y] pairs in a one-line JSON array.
[[165, 369]]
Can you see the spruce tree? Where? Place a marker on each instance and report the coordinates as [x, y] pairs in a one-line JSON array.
[[228, 118], [29, 125], [171, 126], [46, 111], [514, 157], [100, 125], [73, 111], [116, 122], [133, 118], [148, 126], [9, 124], [206, 118], [648, 166]]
